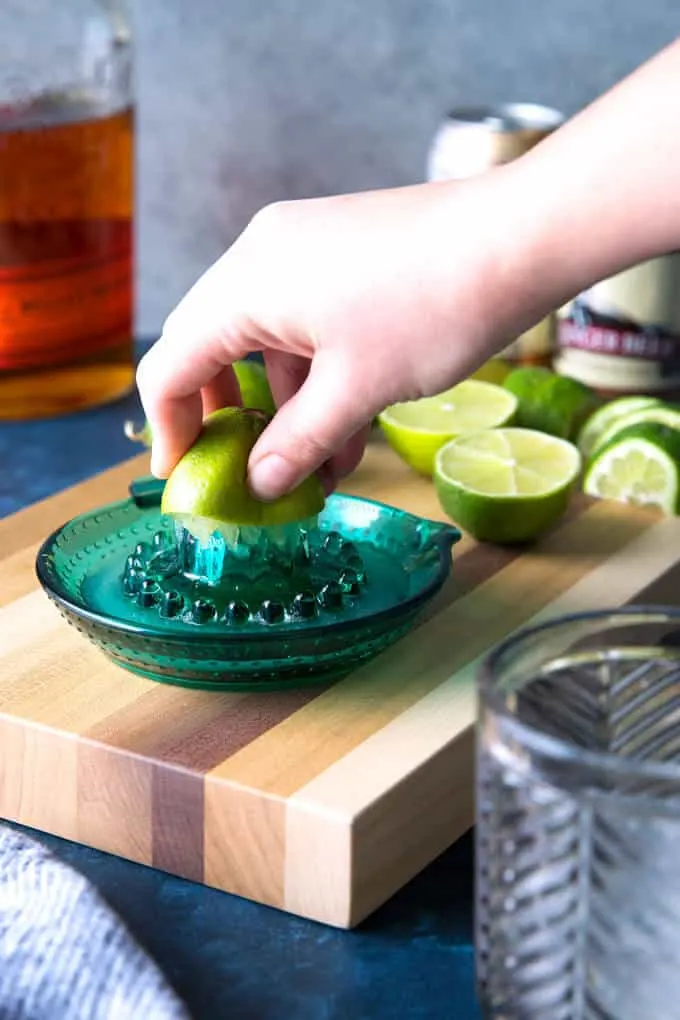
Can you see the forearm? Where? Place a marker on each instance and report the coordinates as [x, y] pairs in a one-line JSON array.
[[600, 195], [359, 301]]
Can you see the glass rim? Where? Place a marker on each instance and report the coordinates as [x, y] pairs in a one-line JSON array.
[[556, 748]]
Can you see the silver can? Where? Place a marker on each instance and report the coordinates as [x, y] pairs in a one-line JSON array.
[[471, 140]]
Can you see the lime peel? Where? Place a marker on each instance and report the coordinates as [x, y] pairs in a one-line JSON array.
[[659, 413], [601, 420], [549, 402], [639, 465]]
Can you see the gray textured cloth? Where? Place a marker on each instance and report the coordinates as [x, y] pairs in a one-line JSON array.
[[64, 955]]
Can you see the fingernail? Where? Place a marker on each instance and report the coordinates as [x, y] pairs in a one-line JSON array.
[[155, 465], [158, 461], [270, 477]]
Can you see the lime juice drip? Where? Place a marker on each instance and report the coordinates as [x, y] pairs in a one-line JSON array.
[[213, 552]]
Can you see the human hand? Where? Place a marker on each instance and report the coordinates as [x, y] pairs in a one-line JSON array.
[[359, 301], [356, 302]]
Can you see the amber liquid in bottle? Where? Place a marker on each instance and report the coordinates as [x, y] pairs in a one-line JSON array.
[[66, 273]]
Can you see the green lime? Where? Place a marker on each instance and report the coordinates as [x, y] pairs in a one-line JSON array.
[[210, 481], [494, 371], [254, 385], [640, 465], [604, 417], [418, 428], [549, 402], [255, 393], [506, 485], [661, 413]]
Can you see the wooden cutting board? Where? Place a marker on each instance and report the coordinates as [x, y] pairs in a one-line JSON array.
[[323, 802]]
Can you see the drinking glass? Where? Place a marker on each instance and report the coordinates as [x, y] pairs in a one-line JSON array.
[[578, 820]]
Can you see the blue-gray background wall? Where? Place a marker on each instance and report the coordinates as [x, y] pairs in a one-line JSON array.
[[242, 102]]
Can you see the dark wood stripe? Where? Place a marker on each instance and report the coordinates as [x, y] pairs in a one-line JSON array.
[[663, 590], [196, 729], [181, 735], [203, 748], [177, 820], [480, 562]]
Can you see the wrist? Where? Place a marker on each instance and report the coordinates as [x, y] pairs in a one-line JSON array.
[[497, 253], [536, 258]]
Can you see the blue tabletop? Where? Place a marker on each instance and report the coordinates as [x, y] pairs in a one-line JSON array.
[[228, 957]]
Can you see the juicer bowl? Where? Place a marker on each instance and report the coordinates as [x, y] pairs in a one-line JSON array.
[[373, 569]]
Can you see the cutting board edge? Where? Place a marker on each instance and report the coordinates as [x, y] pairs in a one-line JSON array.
[[365, 857]]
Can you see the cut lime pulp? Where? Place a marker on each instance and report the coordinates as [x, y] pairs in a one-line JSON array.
[[418, 429], [506, 485]]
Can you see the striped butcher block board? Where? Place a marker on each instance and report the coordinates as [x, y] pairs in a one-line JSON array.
[[319, 802]]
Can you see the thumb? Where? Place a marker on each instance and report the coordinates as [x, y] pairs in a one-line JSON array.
[[327, 410]]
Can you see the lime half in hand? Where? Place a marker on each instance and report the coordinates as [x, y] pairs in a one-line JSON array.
[[418, 428], [506, 485], [209, 484]]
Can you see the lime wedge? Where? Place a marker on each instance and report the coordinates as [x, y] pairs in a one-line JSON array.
[[417, 429], [549, 402], [661, 413], [640, 465], [506, 485], [606, 416], [254, 385], [210, 481]]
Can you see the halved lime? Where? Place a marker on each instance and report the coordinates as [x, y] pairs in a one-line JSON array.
[[209, 484], [662, 414], [606, 416], [549, 402], [640, 465], [417, 429], [506, 485]]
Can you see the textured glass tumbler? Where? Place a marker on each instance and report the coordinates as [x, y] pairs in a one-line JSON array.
[[578, 820]]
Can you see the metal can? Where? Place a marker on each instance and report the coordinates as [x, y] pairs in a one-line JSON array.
[[473, 139], [622, 336]]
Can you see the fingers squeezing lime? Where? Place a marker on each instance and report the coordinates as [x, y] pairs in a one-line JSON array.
[[208, 489], [255, 390]]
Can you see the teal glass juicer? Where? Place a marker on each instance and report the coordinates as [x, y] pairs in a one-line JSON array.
[[252, 609]]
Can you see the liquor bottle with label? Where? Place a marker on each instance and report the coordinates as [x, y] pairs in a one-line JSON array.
[[622, 336], [66, 206]]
